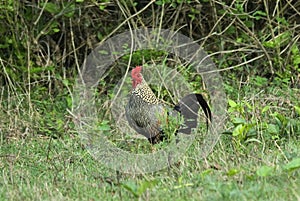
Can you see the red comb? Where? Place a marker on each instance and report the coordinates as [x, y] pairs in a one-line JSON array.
[[136, 70]]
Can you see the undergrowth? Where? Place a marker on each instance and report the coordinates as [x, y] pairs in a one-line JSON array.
[[254, 44]]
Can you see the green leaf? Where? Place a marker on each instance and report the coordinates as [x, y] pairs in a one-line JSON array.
[[52, 8], [239, 130], [69, 10], [249, 23], [145, 185], [297, 109], [238, 120], [69, 102], [293, 165], [273, 129], [265, 171], [131, 187], [104, 126], [56, 30], [266, 108], [279, 40], [282, 20], [104, 52], [248, 105], [259, 14], [232, 172], [36, 70], [138, 190], [232, 103], [159, 3], [205, 173], [296, 60], [295, 50], [102, 7]]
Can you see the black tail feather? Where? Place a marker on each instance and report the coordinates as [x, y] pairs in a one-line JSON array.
[[189, 107]]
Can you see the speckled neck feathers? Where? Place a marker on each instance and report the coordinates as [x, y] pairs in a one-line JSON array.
[[141, 88]]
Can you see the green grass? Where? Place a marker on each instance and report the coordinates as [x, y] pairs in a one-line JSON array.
[[47, 161], [48, 169], [251, 42], [255, 164]]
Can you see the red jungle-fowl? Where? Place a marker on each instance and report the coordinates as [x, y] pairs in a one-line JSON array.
[[147, 115]]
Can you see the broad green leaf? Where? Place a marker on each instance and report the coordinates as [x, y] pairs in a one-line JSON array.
[[295, 50], [293, 165], [159, 3], [238, 120], [279, 40], [52, 8], [103, 52], [56, 30], [232, 103], [296, 60], [233, 172], [131, 187], [69, 10], [239, 130], [102, 7], [297, 109], [205, 173], [104, 126], [265, 171], [273, 129], [266, 108], [145, 185], [258, 14]]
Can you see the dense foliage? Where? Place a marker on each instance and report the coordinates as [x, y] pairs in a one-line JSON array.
[[255, 45]]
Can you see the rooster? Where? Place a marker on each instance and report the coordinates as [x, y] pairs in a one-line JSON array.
[[147, 115]]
